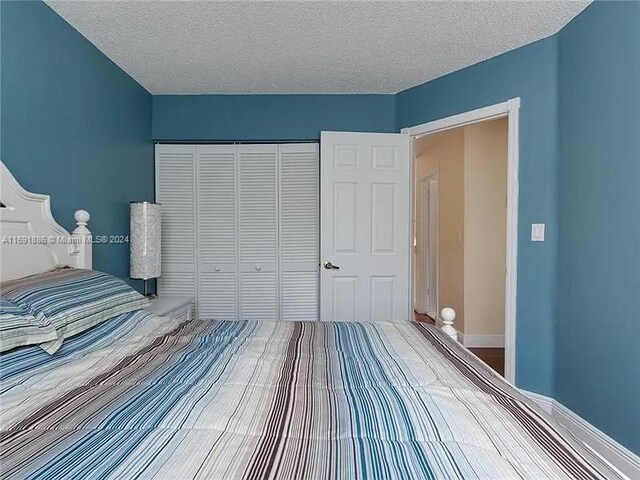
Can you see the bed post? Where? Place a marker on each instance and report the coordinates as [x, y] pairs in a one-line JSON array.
[[448, 315], [82, 242]]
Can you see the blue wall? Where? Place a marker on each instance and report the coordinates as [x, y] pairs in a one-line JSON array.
[[268, 117], [531, 73], [74, 125], [598, 321]]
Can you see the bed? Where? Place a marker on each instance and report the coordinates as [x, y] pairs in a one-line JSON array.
[[143, 396]]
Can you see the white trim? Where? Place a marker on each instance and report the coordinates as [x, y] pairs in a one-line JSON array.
[[622, 459], [483, 341], [509, 109], [477, 341], [511, 288], [466, 118]]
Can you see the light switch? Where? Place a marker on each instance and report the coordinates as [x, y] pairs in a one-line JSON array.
[[537, 232]]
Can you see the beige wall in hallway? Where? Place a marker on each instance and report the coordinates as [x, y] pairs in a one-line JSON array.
[[485, 231], [446, 156]]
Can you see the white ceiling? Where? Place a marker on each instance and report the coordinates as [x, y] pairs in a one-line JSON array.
[[183, 47]]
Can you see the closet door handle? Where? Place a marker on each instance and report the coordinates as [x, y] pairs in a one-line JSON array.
[[258, 268], [331, 266]]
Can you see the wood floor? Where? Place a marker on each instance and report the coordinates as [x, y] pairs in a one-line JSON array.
[[422, 317], [494, 357]]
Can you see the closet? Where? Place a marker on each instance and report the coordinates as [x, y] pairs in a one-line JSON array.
[[240, 229]]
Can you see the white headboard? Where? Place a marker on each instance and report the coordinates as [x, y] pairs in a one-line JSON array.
[[30, 239]]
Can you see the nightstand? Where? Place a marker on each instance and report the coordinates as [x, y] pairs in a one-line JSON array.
[[180, 308]]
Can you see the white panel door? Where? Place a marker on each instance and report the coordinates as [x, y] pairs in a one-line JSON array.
[[299, 231], [258, 232], [175, 187], [365, 226], [217, 232]]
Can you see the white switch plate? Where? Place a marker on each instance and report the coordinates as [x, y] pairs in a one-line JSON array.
[[537, 232]]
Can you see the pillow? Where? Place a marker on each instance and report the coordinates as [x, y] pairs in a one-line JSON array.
[[73, 300], [18, 327]]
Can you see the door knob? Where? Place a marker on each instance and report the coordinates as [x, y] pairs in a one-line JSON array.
[[331, 266]]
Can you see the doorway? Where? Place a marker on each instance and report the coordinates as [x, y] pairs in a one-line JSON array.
[[476, 248]]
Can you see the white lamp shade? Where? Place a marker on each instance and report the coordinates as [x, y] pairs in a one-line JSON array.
[[144, 240]]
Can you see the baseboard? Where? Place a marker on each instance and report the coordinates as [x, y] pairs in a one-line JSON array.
[[601, 444], [477, 341], [483, 341], [544, 402]]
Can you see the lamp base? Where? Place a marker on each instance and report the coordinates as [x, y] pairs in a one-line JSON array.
[[145, 291]]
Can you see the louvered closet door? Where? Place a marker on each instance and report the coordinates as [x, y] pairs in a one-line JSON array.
[[258, 235], [299, 225], [175, 190], [217, 232]]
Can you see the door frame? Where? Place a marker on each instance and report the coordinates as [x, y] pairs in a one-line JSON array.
[[510, 110], [429, 259]]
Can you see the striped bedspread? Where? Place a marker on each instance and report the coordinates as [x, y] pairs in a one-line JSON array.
[[138, 397]]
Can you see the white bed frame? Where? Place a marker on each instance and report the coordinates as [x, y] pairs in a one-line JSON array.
[[30, 239]]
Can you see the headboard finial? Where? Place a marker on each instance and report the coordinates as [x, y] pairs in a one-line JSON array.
[[448, 315], [82, 240], [82, 218]]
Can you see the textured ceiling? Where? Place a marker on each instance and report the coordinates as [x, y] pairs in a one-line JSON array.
[[186, 47]]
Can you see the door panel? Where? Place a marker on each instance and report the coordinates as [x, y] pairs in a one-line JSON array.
[[258, 296], [344, 305], [175, 186], [383, 225], [345, 224], [299, 231], [299, 295], [217, 295], [258, 205], [217, 231], [382, 301], [365, 224]]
